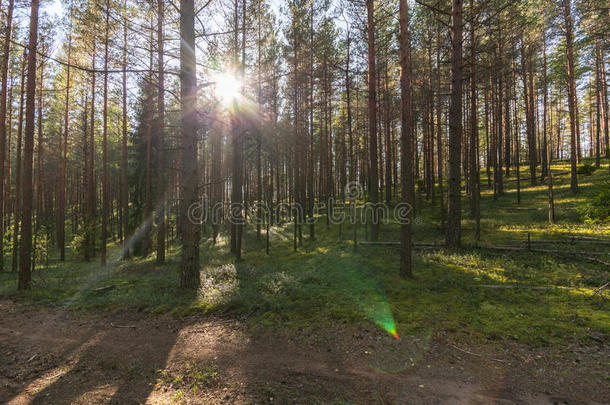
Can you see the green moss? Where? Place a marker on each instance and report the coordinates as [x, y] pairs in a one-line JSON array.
[[325, 284]]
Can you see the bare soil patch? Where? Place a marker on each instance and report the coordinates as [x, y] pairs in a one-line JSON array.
[[58, 357]]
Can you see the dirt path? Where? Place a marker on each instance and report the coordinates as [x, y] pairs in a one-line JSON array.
[[55, 357]]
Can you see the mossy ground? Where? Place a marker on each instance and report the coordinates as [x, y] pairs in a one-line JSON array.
[[325, 283]]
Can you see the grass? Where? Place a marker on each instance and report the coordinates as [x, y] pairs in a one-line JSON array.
[[325, 284]]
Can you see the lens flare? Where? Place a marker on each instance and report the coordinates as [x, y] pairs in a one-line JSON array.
[[369, 296], [227, 87], [376, 307]]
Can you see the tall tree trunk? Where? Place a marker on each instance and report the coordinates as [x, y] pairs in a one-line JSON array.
[[89, 243], [372, 108], [498, 171], [124, 168], [350, 134], [388, 143], [453, 232], [439, 128], [547, 149], [148, 118], [161, 167], [605, 112], [310, 164], [61, 215], [25, 248], [124, 182], [6, 51], [189, 265], [599, 113], [406, 143], [533, 160], [474, 133], [105, 141], [18, 197], [572, 96]]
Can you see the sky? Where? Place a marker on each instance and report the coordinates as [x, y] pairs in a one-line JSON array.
[[57, 8]]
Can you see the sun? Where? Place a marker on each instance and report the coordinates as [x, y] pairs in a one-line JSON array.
[[227, 87]]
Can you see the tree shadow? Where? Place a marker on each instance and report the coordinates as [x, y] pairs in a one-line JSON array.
[[111, 359]]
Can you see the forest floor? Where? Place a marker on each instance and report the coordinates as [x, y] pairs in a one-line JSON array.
[[476, 326], [58, 357]]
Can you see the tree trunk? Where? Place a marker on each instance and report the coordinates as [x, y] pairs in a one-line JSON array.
[[572, 96], [61, 215], [18, 197], [547, 149], [25, 269], [599, 113], [189, 265], [454, 217], [406, 167], [439, 129], [372, 108], [124, 168], [161, 167], [474, 134], [105, 141], [3, 107]]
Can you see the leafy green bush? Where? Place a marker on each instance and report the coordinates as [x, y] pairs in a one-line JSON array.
[[83, 244], [597, 208], [586, 169]]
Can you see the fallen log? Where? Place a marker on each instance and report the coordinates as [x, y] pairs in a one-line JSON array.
[[593, 240], [427, 246], [548, 251], [122, 326], [564, 242], [415, 244], [103, 289], [523, 287], [595, 260]]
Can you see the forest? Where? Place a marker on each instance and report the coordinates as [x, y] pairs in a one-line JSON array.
[[304, 201]]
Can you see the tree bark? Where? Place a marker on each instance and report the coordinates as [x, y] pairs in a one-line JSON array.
[[161, 169], [189, 265], [454, 217], [6, 51], [406, 142], [25, 269], [372, 108], [572, 96], [475, 194], [18, 197], [61, 215], [105, 141], [124, 182]]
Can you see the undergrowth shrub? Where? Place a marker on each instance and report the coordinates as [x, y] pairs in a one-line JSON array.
[[597, 207], [586, 169]]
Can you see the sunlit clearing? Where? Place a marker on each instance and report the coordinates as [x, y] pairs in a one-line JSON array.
[[227, 87]]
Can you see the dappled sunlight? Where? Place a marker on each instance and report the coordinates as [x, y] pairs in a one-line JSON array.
[[218, 284], [52, 376]]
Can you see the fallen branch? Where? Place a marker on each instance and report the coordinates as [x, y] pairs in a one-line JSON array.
[[103, 289], [416, 244], [593, 240], [123, 326], [595, 260], [523, 287], [520, 249], [571, 241], [478, 355], [600, 291]]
